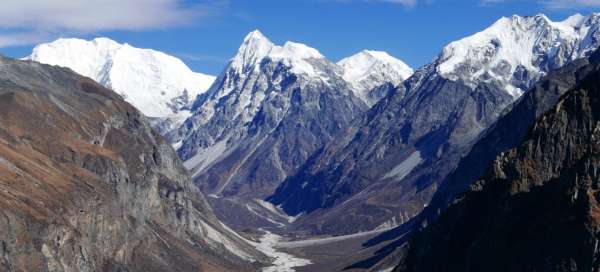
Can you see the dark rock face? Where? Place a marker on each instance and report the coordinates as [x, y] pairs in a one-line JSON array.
[[509, 131], [284, 133], [506, 133], [379, 92], [385, 168], [87, 185], [537, 207], [386, 164]]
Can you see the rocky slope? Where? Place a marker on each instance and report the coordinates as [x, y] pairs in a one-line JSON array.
[[159, 85], [536, 208], [506, 133], [87, 185], [270, 109], [509, 131], [372, 74], [385, 168]]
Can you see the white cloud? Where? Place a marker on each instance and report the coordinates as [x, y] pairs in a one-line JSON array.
[[407, 3], [93, 15], [553, 4], [24, 38], [491, 2], [31, 17], [571, 4]]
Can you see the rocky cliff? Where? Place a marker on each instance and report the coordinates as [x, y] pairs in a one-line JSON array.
[[87, 185], [509, 131], [537, 207]]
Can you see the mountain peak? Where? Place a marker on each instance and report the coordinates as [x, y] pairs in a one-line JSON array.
[[255, 35], [104, 41], [373, 54], [255, 40], [575, 20], [540, 17], [376, 53], [369, 69], [155, 83], [296, 50], [359, 65], [99, 42], [387, 58], [519, 22], [516, 45], [257, 47], [254, 48]]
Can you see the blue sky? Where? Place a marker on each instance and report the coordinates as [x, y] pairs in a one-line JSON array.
[[205, 34]]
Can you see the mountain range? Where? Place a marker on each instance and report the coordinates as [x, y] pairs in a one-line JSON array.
[[536, 207], [507, 133], [469, 155], [265, 92], [385, 167]]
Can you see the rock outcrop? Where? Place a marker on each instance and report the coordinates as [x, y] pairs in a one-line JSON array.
[[87, 185], [537, 207]]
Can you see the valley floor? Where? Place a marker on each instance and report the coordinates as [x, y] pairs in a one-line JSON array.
[[315, 254], [283, 262], [268, 229]]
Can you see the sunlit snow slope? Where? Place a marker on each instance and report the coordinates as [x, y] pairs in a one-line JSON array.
[[157, 84]]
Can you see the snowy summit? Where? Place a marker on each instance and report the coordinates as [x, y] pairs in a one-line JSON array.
[[519, 47], [268, 102], [368, 70], [157, 84], [257, 47]]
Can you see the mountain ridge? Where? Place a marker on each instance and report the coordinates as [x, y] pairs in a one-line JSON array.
[[519, 45], [88, 185], [159, 85], [536, 207], [262, 86], [391, 161]]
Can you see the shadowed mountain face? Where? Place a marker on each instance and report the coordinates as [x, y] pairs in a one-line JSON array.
[[509, 131], [267, 112], [87, 185], [506, 133], [384, 169], [384, 165], [537, 207]]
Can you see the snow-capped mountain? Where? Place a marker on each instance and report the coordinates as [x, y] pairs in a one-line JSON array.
[[391, 161], [532, 208], [516, 51], [267, 112], [159, 85], [301, 61], [299, 57], [367, 70]]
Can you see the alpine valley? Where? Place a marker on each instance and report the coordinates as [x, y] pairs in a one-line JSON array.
[[384, 169], [116, 158]]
